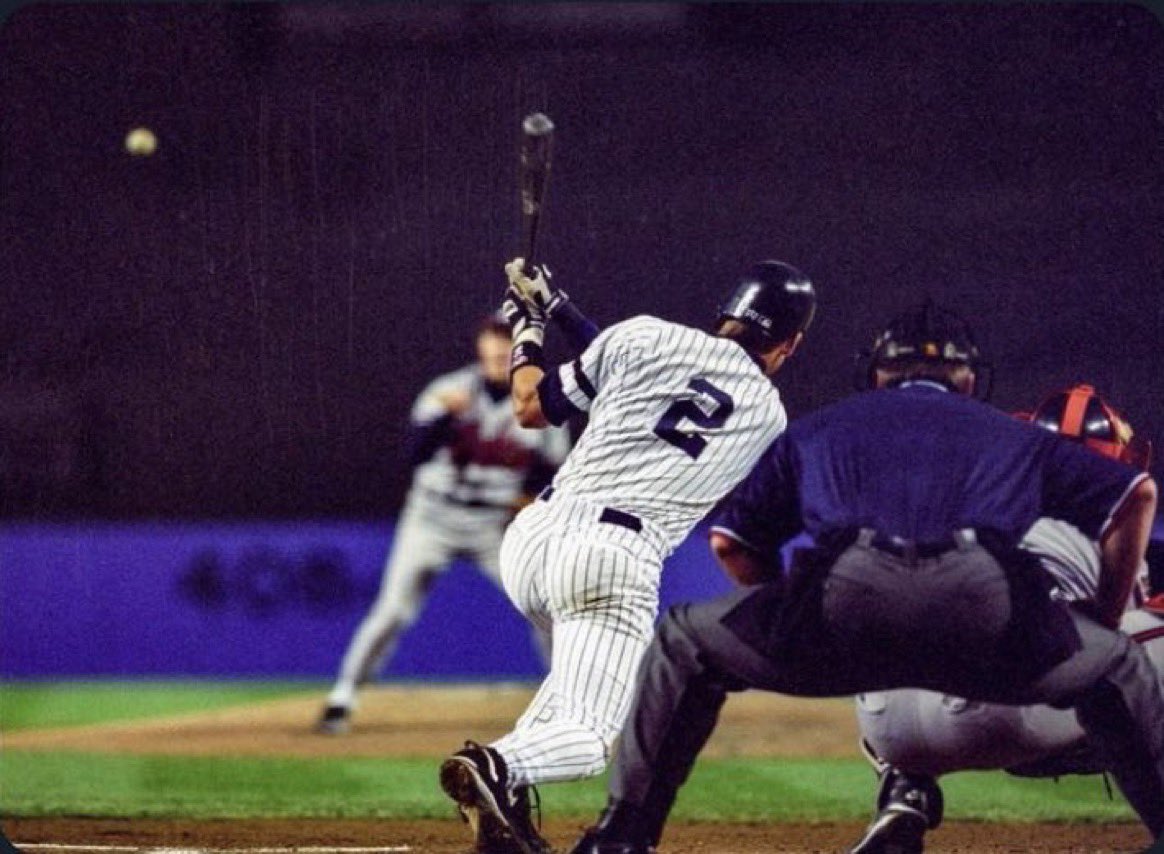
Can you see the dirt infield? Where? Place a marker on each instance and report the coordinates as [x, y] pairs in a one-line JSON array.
[[448, 837], [405, 721], [426, 722]]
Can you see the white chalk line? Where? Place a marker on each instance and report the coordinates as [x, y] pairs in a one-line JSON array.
[[292, 849]]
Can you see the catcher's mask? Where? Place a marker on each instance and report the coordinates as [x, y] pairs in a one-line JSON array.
[[1079, 413], [925, 334]]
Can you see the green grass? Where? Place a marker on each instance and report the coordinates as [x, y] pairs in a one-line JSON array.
[[34, 705], [58, 783], [41, 783]]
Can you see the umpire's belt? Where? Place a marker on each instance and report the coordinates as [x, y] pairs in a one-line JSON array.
[[911, 550], [608, 514]]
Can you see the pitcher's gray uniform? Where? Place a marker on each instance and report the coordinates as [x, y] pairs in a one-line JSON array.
[[459, 502], [930, 733]]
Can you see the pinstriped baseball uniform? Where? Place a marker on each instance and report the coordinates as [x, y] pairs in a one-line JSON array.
[[930, 733], [676, 418], [457, 506]]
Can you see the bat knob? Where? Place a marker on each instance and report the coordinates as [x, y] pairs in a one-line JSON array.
[[537, 124]]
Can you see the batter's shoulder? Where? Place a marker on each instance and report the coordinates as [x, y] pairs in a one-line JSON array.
[[642, 330]]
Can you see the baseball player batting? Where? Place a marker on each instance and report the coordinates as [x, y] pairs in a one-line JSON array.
[[913, 736], [676, 417], [473, 465]]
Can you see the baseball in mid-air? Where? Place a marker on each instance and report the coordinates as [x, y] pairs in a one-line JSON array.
[[141, 142]]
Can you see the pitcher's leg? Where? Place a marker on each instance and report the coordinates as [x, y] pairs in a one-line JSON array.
[[415, 560]]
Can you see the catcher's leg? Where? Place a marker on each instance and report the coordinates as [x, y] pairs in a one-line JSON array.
[[1119, 700], [907, 806]]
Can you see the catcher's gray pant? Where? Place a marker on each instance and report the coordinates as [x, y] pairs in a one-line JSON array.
[[430, 534], [597, 585], [696, 659], [925, 732]]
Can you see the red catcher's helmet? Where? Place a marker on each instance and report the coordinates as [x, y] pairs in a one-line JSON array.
[[1080, 413]]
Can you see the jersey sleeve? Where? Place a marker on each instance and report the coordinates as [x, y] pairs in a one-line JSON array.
[[763, 511], [1083, 487], [570, 389], [427, 407]]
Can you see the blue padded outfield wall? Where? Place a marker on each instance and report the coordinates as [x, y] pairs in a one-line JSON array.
[[254, 600], [267, 599]]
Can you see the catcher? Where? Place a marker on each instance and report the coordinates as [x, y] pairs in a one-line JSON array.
[[913, 736]]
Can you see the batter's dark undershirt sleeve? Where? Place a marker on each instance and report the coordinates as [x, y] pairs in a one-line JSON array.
[[556, 407], [579, 329], [1082, 487]]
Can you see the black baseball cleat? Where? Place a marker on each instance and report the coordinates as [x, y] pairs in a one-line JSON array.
[[477, 779], [907, 806], [593, 843], [893, 831], [335, 720]]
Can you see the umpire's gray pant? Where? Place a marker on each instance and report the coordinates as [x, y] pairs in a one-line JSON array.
[[872, 600]]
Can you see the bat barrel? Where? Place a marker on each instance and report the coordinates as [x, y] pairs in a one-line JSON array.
[[536, 146]]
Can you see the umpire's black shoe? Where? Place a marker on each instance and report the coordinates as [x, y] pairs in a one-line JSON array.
[[335, 720], [621, 829], [477, 779], [593, 843]]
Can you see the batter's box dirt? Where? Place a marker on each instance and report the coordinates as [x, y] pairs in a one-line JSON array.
[[407, 720], [449, 837]]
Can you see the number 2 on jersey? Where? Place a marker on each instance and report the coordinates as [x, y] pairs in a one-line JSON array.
[[693, 444]]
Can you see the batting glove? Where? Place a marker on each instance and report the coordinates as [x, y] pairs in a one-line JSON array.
[[536, 292], [527, 323]]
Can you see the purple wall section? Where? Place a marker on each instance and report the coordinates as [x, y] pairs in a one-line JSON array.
[[264, 599]]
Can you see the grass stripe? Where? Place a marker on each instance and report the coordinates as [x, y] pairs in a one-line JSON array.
[[33, 705], [49, 784]]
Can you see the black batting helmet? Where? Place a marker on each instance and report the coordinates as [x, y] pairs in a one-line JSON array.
[[773, 298], [926, 333], [1079, 413]]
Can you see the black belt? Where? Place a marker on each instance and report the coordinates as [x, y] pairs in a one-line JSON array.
[[912, 549], [608, 514]]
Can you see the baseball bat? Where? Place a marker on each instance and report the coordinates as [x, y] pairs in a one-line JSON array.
[[536, 146]]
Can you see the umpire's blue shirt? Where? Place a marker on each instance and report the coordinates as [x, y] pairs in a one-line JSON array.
[[919, 462]]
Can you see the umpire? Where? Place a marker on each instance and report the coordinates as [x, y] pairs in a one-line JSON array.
[[916, 496]]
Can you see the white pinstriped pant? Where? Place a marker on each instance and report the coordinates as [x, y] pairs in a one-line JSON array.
[[596, 585]]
